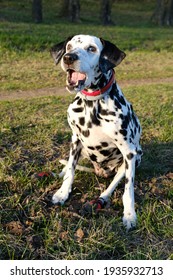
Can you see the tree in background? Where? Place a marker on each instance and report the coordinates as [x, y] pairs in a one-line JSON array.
[[105, 12], [163, 14], [71, 10], [37, 11]]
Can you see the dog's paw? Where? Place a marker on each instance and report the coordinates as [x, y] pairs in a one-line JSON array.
[[60, 196], [129, 220]]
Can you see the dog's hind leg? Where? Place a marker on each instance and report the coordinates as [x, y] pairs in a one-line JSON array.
[[119, 175], [78, 167], [63, 193]]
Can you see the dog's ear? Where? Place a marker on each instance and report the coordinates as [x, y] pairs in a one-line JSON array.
[[110, 56], [58, 50]]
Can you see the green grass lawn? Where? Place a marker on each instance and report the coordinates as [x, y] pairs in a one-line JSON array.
[[34, 135]]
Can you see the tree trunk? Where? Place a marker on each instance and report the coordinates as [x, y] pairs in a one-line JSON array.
[[37, 11], [105, 12], [74, 10], [163, 14], [71, 10], [64, 8]]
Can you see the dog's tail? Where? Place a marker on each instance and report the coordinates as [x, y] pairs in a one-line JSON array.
[[78, 167]]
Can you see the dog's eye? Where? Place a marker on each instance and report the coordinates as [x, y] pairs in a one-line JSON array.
[[91, 49]]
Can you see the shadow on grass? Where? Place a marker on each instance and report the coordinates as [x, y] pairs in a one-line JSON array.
[[49, 231], [157, 159]]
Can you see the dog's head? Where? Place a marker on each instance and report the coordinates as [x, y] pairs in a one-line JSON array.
[[84, 58]]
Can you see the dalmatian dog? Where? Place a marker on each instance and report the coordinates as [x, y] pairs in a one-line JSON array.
[[104, 125]]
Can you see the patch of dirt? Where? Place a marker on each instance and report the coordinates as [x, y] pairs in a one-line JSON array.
[[30, 94], [35, 93]]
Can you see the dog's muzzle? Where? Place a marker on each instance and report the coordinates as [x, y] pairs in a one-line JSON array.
[[75, 79]]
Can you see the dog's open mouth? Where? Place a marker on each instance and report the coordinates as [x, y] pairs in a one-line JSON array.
[[75, 79]]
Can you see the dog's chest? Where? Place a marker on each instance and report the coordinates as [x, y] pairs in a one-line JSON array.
[[91, 121]]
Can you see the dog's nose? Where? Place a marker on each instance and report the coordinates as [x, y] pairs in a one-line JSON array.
[[69, 58]]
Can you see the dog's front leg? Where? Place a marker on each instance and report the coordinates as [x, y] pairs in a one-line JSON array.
[[63, 193], [129, 218]]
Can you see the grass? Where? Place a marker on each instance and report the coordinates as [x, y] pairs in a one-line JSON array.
[[35, 135], [24, 51], [33, 141]]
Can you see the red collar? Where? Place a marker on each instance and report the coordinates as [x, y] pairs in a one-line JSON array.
[[102, 90]]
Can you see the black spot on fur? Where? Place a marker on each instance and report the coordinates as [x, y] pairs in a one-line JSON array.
[[73, 150], [132, 134], [77, 155], [76, 98], [94, 118], [104, 162], [89, 124], [126, 164], [98, 147], [104, 144], [118, 152], [78, 128], [126, 180], [121, 99], [82, 121], [112, 113], [125, 122], [135, 120], [117, 104], [88, 103], [86, 133], [102, 111], [91, 148], [78, 110], [139, 152], [120, 161], [130, 156], [121, 116], [123, 132], [93, 157], [113, 91], [79, 102], [105, 152]]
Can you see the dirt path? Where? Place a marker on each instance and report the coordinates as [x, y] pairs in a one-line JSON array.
[[35, 93]]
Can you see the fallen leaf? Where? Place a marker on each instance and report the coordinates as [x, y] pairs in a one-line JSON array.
[[15, 227], [63, 235], [79, 234], [169, 175]]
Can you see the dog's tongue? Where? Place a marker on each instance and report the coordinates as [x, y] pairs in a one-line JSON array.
[[77, 76]]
